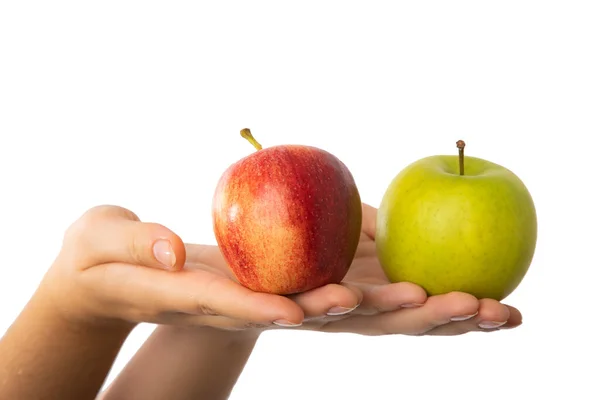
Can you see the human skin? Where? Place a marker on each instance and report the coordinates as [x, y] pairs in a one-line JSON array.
[[108, 277], [173, 363]]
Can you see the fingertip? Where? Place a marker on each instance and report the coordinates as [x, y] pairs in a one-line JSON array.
[[516, 317], [505, 312], [292, 313], [358, 294], [331, 299], [399, 295], [278, 308], [459, 303], [168, 248], [493, 310], [179, 250], [413, 294]]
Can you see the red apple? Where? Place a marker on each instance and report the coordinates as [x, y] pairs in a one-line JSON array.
[[287, 218]]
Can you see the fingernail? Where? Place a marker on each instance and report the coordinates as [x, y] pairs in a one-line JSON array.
[[411, 305], [463, 317], [286, 324], [164, 254], [340, 310], [490, 324]]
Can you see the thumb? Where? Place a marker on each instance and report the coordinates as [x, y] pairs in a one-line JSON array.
[[108, 234]]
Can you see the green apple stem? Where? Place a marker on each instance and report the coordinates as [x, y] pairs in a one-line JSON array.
[[248, 136], [461, 156]]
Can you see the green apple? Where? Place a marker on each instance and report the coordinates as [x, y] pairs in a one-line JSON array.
[[451, 223]]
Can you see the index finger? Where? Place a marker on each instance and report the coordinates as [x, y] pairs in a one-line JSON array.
[[203, 254], [152, 292]]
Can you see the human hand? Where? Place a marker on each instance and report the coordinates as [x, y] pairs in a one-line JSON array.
[[405, 308], [367, 303], [114, 269]]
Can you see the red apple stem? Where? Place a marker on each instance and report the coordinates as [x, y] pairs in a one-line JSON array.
[[248, 136], [461, 156]]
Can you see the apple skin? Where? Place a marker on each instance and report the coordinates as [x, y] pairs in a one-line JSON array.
[[473, 233], [287, 219]]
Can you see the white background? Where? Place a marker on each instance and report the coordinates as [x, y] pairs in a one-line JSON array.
[[140, 104]]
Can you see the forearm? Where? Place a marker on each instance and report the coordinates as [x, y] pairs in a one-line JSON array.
[[184, 363], [44, 356]]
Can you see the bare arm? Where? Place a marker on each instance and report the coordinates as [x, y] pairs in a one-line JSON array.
[[180, 363], [113, 272], [45, 357]]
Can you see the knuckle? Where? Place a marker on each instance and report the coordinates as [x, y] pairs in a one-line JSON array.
[[76, 234], [91, 219], [100, 210], [254, 325], [379, 309], [136, 251], [205, 310], [155, 226], [109, 211], [200, 300]]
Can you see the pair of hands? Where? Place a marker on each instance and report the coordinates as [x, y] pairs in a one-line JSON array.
[[115, 270]]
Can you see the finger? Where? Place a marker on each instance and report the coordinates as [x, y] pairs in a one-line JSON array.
[[144, 293], [202, 255], [383, 298], [332, 300], [366, 249], [515, 319], [369, 219], [492, 314], [437, 310], [491, 317], [114, 234], [214, 321]]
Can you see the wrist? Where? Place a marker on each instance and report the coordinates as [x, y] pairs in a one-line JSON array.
[[44, 352]]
